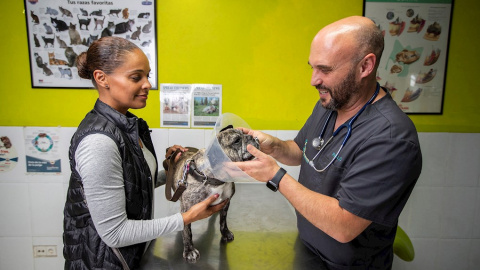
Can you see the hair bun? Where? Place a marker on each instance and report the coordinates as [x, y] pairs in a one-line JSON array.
[[82, 66]]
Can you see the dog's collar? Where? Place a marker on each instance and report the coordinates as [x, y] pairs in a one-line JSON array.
[[200, 176]]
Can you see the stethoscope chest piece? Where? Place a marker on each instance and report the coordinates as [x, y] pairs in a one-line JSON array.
[[317, 143]]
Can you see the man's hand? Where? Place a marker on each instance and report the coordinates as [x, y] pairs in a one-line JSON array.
[[266, 141], [262, 168]]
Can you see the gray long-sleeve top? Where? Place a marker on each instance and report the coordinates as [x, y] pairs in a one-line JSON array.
[[99, 163]]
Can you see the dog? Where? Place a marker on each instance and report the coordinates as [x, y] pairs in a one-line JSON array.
[[200, 185], [209, 109]]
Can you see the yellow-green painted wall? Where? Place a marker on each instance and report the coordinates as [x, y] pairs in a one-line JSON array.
[[257, 49]]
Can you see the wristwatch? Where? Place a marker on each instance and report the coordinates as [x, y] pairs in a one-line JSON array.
[[274, 183]]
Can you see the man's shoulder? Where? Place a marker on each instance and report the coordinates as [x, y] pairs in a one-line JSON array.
[[389, 114]]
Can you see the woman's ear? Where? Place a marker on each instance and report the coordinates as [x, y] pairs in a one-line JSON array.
[[368, 65], [101, 78]]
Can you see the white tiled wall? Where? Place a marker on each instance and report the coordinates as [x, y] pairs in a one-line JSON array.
[[442, 216]]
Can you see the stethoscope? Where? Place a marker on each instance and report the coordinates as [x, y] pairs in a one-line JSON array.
[[319, 143]]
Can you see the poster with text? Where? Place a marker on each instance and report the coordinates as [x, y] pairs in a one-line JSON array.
[[175, 105], [59, 30], [8, 154], [42, 150], [207, 104], [414, 61]]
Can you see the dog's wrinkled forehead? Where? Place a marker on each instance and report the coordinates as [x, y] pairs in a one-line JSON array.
[[234, 144], [230, 136]]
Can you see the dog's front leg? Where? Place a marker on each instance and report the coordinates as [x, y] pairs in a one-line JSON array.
[[190, 253], [227, 235]]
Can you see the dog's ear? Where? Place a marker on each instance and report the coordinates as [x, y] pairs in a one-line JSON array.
[[227, 127]]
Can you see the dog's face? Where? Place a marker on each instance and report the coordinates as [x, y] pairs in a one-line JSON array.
[[234, 144]]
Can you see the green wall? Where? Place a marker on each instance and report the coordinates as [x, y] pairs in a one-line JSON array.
[[258, 51]]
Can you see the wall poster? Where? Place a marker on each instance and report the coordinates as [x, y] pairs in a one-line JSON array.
[[414, 62], [42, 150], [206, 104], [59, 30], [190, 105], [8, 154], [175, 105]]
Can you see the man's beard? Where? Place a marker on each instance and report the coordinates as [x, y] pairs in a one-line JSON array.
[[342, 94]]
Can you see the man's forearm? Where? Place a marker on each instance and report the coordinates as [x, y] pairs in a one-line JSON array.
[[322, 211], [287, 152]]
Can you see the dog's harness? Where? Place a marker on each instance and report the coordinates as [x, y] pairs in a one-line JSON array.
[[200, 176], [189, 167]]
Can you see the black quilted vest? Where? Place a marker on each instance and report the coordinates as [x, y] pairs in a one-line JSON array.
[[83, 247]]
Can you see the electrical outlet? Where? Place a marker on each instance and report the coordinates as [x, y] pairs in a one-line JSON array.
[[44, 251]]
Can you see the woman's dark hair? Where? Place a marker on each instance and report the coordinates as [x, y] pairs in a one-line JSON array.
[[105, 54]]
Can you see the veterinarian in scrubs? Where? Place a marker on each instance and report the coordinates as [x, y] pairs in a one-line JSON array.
[[359, 153], [108, 215]]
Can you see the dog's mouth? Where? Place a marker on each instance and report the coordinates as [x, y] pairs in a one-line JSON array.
[[247, 156]]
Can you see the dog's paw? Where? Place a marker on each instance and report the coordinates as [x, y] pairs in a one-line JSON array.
[[227, 236], [191, 256]]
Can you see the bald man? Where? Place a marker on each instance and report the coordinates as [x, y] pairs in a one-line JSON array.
[[359, 153]]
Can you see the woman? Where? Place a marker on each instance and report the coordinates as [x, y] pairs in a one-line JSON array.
[[108, 216]]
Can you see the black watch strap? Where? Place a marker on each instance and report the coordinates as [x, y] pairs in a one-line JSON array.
[[274, 183]]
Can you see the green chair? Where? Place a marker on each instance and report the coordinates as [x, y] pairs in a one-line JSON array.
[[402, 246]]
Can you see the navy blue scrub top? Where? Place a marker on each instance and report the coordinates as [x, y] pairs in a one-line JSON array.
[[372, 177]]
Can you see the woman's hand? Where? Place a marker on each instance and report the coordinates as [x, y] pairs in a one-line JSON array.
[[171, 150], [203, 210]]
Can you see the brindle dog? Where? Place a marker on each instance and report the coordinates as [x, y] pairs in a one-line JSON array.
[[234, 144]]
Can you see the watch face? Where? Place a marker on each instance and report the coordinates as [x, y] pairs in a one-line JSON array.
[[271, 185]]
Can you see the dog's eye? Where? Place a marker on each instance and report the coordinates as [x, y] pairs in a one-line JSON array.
[[238, 140]]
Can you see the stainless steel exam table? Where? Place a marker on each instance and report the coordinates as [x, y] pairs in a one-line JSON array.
[[266, 236]]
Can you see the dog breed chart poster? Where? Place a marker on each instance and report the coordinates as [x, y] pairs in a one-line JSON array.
[[59, 30], [414, 61]]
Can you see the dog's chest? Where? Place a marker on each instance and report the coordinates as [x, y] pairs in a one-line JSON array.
[[197, 191], [224, 191]]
